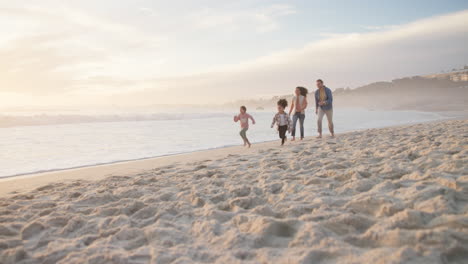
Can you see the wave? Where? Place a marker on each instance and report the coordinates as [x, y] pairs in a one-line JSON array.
[[47, 119], [34, 172]]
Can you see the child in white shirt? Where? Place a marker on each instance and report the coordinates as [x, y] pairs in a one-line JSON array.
[[282, 120]]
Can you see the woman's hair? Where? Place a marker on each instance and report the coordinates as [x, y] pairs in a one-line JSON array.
[[303, 91], [244, 108], [283, 103]]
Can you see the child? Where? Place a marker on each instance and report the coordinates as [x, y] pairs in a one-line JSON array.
[[243, 117], [282, 120]]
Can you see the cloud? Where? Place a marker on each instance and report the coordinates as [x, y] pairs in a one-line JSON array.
[[69, 53], [64, 48], [343, 60], [29, 68], [264, 19], [147, 11], [380, 28], [268, 18], [59, 49]]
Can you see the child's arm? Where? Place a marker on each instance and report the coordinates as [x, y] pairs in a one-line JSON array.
[[289, 124], [236, 118], [274, 121], [253, 120]]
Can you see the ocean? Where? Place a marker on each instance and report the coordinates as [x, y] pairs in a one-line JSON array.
[[55, 143]]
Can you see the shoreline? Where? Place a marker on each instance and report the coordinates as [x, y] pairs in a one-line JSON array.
[[450, 113], [29, 181], [115, 162], [441, 118]]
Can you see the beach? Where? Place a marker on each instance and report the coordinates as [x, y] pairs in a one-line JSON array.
[[387, 195]]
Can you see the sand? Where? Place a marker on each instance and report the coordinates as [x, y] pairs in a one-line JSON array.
[[393, 195]]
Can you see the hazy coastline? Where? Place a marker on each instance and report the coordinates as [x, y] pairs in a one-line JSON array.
[[74, 145]]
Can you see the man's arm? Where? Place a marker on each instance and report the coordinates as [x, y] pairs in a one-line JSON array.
[[316, 102], [329, 97]]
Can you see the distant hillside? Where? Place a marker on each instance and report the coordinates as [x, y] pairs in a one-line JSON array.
[[414, 93], [447, 92]]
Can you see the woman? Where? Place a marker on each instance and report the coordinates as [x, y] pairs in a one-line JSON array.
[[299, 104]]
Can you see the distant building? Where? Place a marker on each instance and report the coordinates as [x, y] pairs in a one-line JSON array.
[[456, 76], [460, 77]]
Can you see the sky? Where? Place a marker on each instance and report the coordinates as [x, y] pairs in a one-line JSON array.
[[141, 52]]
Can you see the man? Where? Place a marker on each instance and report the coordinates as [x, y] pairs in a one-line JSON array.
[[324, 106]]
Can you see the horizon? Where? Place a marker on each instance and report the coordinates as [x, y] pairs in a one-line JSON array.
[[225, 104], [144, 53]]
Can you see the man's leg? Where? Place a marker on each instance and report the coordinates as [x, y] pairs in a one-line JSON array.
[[329, 114], [293, 131], [319, 121]]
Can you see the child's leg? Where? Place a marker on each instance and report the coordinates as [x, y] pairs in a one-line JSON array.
[[243, 136], [282, 133], [246, 139]]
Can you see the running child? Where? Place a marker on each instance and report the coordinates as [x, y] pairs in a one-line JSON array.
[[282, 120], [243, 117]]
